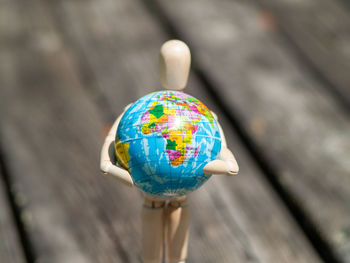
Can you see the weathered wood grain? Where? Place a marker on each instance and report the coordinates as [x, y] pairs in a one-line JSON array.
[[320, 31], [300, 129], [10, 247], [238, 231], [53, 133]]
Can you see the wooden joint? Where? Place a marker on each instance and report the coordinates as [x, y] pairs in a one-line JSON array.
[[154, 205], [177, 204]]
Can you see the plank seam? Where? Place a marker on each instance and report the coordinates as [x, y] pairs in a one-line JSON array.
[[85, 72], [96, 95], [270, 172], [345, 4], [87, 76], [16, 211], [308, 65]]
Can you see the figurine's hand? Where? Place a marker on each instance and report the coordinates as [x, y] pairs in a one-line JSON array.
[[118, 173], [227, 164], [221, 167], [109, 168]]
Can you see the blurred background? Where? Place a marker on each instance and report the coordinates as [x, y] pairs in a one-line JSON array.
[[275, 72]]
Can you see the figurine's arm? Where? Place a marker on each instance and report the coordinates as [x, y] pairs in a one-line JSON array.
[[227, 163], [108, 155]]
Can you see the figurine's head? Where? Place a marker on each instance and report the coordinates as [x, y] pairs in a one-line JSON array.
[[174, 62]]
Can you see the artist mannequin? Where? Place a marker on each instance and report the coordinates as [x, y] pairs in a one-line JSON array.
[[175, 62]]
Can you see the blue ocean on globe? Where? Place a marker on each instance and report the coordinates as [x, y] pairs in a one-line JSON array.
[[164, 140]]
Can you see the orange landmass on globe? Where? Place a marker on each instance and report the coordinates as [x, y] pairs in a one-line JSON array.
[[177, 129]]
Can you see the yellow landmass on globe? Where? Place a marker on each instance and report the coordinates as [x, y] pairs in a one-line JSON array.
[[178, 132], [122, 152], [180, 145]]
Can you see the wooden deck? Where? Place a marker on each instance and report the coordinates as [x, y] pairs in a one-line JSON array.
[[275, 72]]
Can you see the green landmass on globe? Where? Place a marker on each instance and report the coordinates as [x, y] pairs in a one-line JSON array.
[[176, 124]]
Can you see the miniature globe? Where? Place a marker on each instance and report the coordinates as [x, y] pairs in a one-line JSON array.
[[164, 140]]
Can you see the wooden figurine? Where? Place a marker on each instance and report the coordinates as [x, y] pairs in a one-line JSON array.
[[168, 208]]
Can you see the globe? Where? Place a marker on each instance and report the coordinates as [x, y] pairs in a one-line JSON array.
[[164, 140]]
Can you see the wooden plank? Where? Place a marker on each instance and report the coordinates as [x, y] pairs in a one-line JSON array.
[[11, 249], [53, 133], [295, 124], [239, 206], [319, 29], [238, 231], [10, 246]]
